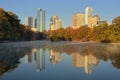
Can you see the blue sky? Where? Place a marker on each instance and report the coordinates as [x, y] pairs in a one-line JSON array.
[[64, 9]]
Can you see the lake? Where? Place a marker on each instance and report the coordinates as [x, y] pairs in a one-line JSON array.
[[60, 61]]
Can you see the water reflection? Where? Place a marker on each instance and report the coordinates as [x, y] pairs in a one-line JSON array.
[[10, 58], [86, 55], [85, 61], [82, 55], [55, 57], [37, 56]]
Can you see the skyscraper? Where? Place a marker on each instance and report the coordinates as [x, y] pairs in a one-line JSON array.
[[40, 20], [55, 23], [34, 22], [30, 21], [78, 20], [88, 13]]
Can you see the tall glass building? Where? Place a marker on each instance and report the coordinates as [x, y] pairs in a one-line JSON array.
[[40, 20], [30, 21]]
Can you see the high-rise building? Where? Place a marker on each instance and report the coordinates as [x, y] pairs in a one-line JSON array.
[[78, 20], [55, 23], [30, 21], [40, 20], [34, 22], [88, 13], [90, 20]]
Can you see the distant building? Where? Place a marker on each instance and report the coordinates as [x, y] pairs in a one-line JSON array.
[[55, 23], [41, 24], [78, 20], [30, 21], [37, 23], [87, 19], [88, 13], [102, 22], [92, 21]]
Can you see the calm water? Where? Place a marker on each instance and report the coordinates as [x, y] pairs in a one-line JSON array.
[[60, 61]]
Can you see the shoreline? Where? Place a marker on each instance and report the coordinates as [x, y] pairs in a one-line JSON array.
[[47, 42]]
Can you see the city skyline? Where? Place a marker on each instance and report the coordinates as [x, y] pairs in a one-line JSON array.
[[38, 23], [85, 19], [64, 9]]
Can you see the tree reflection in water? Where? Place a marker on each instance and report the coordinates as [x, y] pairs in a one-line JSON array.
[[10, 58]]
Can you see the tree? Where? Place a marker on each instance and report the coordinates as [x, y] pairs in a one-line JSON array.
[[116, 21]]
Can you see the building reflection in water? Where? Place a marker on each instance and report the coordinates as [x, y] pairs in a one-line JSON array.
[[37, 56], [85, 57], [78, 60], [55, 57], [85, 61]]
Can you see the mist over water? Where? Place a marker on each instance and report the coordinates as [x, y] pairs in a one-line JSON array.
[[59, 61]]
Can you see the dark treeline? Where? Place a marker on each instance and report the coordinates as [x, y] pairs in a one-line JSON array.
[[101, 33], [12, 30]]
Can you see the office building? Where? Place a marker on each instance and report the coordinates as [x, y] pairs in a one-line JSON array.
[[55, 23], [30, 21], [78, 20], [40, 19], [91, 20], [88, 13]]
